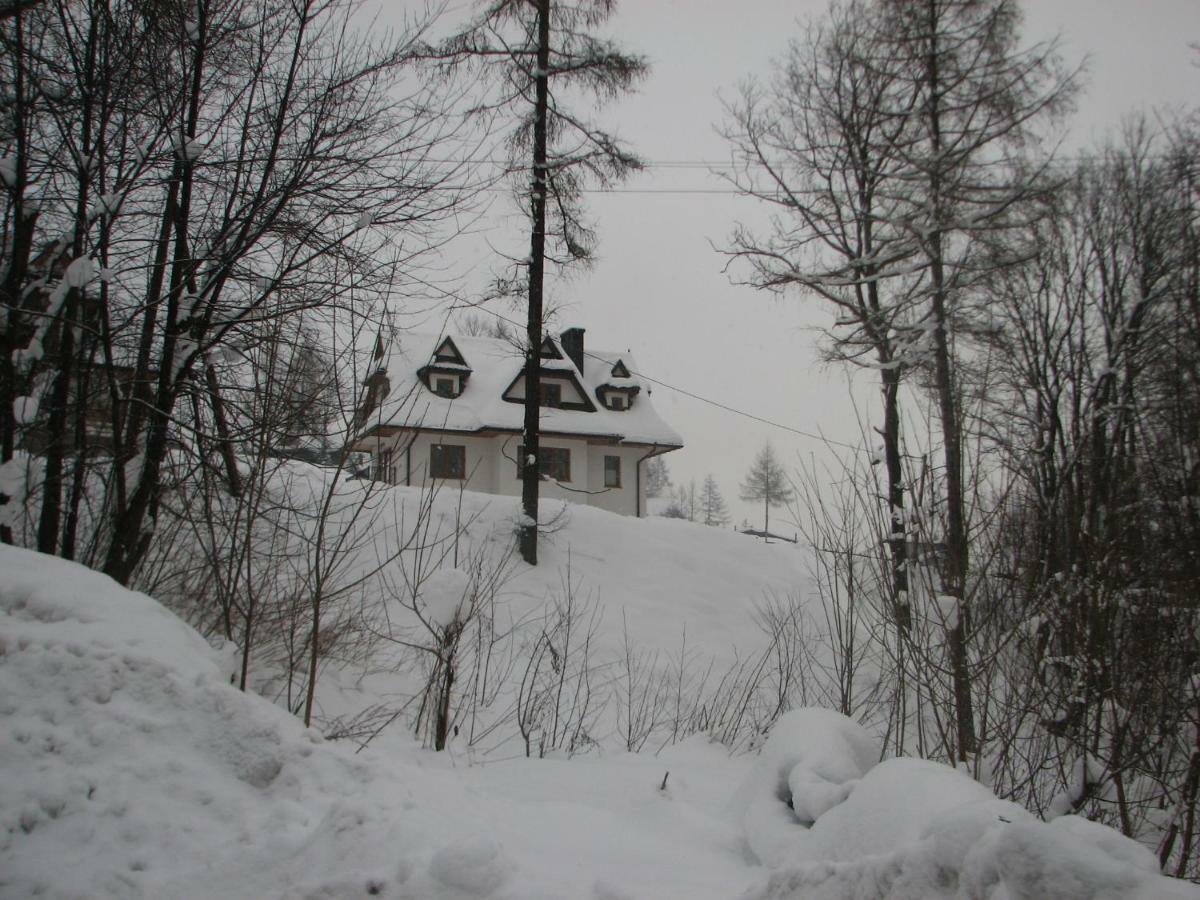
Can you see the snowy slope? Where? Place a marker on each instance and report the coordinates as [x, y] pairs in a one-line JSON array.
[[131, 768], [674, 586]]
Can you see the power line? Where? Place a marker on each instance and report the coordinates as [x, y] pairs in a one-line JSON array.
[[467, 304]]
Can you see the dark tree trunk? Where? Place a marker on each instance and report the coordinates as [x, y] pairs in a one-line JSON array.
[[954, 574], [225, 442], [54, 452], [530, 471], [895, 497]]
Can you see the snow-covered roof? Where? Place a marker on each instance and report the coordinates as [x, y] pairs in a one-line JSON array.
[[494, 364]]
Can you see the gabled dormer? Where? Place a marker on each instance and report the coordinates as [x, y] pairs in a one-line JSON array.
[[559, 389], [618, 392], [447, 373]]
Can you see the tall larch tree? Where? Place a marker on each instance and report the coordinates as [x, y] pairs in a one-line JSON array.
[[542, 50], [973, 99]]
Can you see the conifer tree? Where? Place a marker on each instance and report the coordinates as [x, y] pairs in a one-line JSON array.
[[712, 504], [543, 50], [766, 481]]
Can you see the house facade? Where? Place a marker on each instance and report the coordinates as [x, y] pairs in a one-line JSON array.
[[449, 409]]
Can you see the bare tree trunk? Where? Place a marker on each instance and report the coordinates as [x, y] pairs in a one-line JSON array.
[[224, 441], [895, 497], [530, 468], [954, 575]]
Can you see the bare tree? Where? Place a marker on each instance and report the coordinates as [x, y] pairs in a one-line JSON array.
[[973, 98], [229, 164], [818, 145], [1096, 334], [895, 145], [656, 476]]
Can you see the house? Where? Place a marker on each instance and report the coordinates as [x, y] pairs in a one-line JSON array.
[[449, 408]]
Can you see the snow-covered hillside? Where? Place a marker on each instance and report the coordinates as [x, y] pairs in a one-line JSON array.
[[664, 598], [130, 767]]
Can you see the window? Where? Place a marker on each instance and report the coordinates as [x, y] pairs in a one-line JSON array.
[[550, 394], [616, 401], [383, 468], [447, 461], [555, 463], [445, 387], [612, 471]]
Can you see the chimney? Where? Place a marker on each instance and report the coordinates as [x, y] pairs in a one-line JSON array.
[[572, 344]]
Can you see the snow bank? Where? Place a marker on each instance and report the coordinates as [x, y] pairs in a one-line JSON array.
[[123, 745], [132, 769], [809, 764], [906, 829]]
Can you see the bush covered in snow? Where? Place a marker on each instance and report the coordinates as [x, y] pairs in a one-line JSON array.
[[835, 824]]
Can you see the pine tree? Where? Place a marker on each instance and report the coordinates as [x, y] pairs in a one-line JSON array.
[[712, 504], [766, 481], [657, 477]]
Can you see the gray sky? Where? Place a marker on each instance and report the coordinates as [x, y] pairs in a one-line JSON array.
[[658, 287]]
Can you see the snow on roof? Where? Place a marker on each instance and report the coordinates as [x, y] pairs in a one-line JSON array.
[[494, 364]]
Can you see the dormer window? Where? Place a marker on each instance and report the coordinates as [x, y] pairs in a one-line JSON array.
[[617, 397], [557, 389], [447, 372], [377, 388], [550, 394]]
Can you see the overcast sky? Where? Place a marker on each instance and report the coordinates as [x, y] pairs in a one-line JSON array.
[[658, 287]]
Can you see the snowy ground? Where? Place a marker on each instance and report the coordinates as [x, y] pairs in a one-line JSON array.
[[129, 767], [676, 588]]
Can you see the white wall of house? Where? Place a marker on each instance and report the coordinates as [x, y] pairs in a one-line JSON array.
[[491, 467], [508, 482], [623, 499], [480, 459]]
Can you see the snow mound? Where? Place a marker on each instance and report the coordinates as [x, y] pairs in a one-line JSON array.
[[442, 596], [477, 867], [133, 769], [810, 763], [906, 829]]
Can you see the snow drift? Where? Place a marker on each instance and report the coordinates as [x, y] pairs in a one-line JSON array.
[[835, 826], [132, 768]]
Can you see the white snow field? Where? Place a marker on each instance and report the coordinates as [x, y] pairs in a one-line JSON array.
[[131, 768]]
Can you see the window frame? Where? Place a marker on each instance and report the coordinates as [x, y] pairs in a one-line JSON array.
[[545, 455], [550, 387], [615, 482], [442, 461], [383, 467]]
